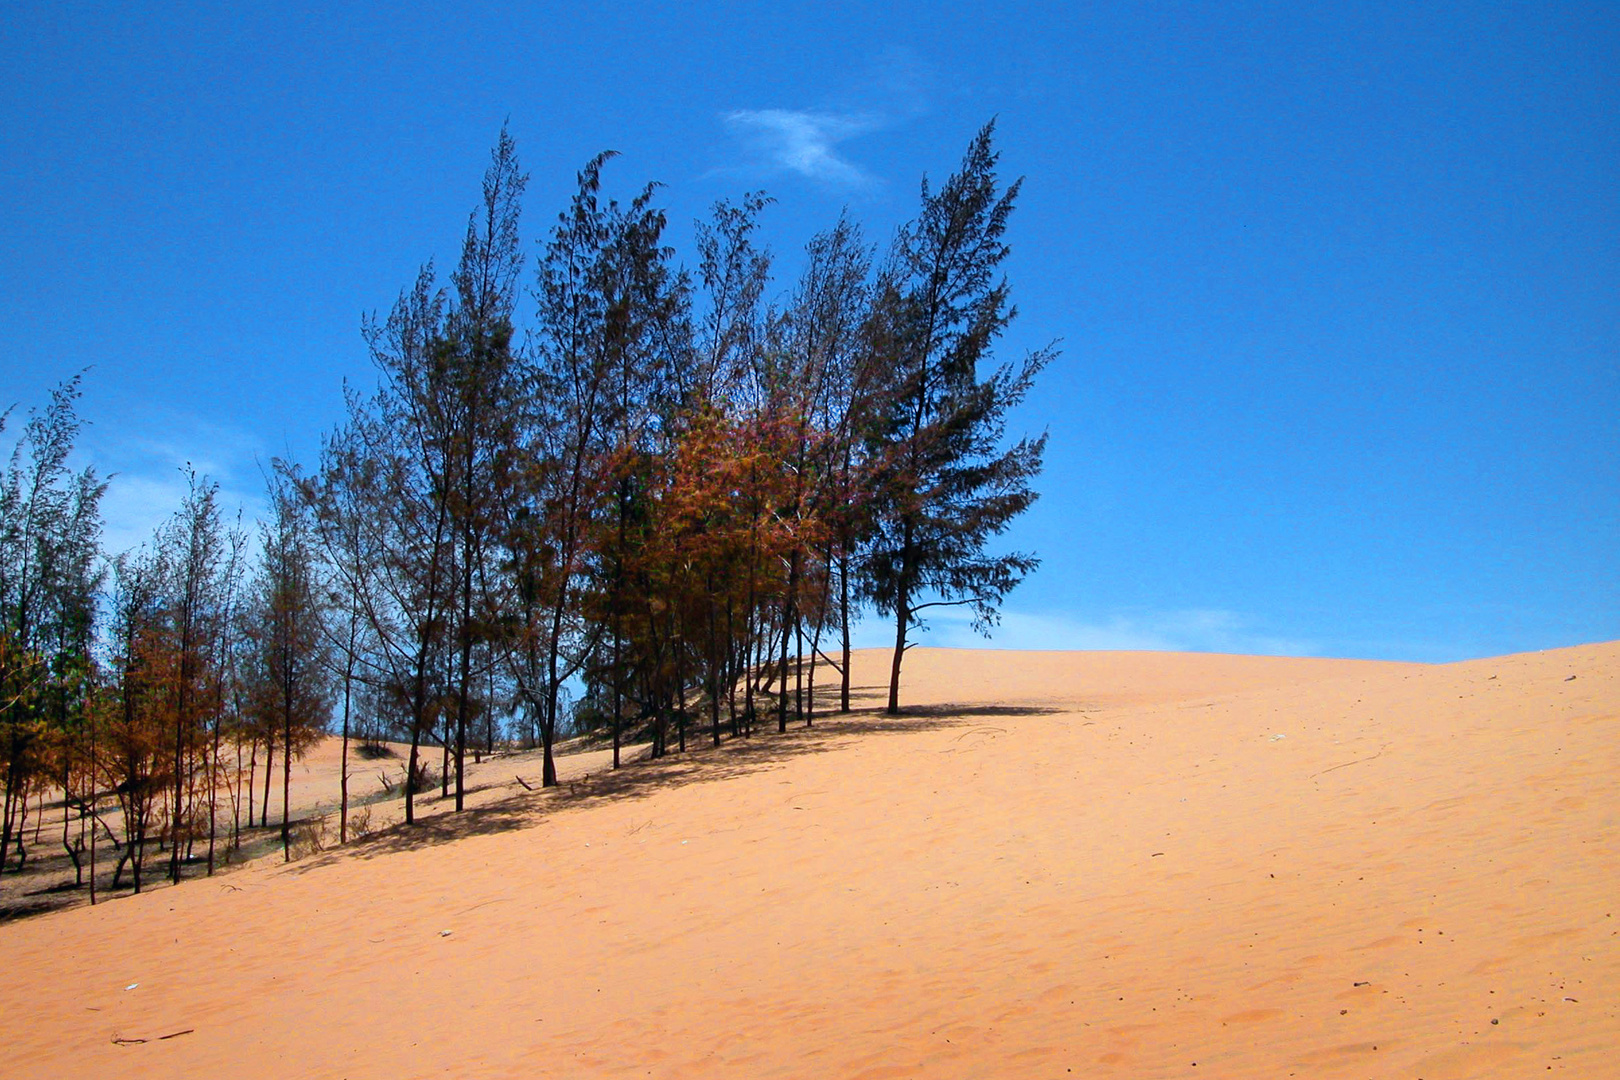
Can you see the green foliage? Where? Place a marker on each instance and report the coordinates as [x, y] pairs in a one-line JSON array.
[[942, 484], [49, 579]]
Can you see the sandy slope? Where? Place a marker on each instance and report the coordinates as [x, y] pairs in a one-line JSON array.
[[1130, 865]]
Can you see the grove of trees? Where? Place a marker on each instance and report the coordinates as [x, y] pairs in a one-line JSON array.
[[601, 491]]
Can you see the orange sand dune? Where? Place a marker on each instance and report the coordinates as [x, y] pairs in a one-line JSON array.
[[1126, 865]]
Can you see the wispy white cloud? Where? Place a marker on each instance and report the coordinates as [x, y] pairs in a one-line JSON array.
[[137, 504], [148, 476], [1190, 630], [883, 90], [805, 142]]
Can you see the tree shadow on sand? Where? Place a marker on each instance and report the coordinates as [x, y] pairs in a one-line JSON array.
[[645, 777]]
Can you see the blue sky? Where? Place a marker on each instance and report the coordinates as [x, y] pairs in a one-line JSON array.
[[1337, 286]]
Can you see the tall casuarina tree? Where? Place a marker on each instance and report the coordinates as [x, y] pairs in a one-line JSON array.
[[478, 376], [50, 529], [943, 485], [290, 673], [559, 481]]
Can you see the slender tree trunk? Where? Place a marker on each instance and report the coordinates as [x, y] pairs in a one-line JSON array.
[[343, 757], [617, 599], [465, 679], [714, 666], [731, 665], [822, 610], [752, 613], [5, 816], [749, 647], [423, 656], [444, 760], [269, 769], [213, 795], [843, 606], [548, 719], [798, 667], [617, 694], [286, 782], [763, 675], [92, 798], [654, 681], [236, 803], [80, 846], [192, 768], [810, 688], [253, 776], [179, 786], [679, 652], [182, 700], [902, 617], [489, 710], [137, 846], [410, 773], [22, 827], [67, 801], [286, 752], [787, 623], [548, 733]]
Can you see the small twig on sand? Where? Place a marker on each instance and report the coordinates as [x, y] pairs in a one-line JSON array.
[[121, 1041], [981, 731], [522, 781], [1347, 764], [486, 903], [990, 731]]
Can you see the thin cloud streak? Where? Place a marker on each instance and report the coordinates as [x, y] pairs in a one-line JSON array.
[[805, 142], [1191, 630], [136, 505], [147, 476]]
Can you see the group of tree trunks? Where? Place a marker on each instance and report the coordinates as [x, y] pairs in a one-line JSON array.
[[650, 508], [157, 717]]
